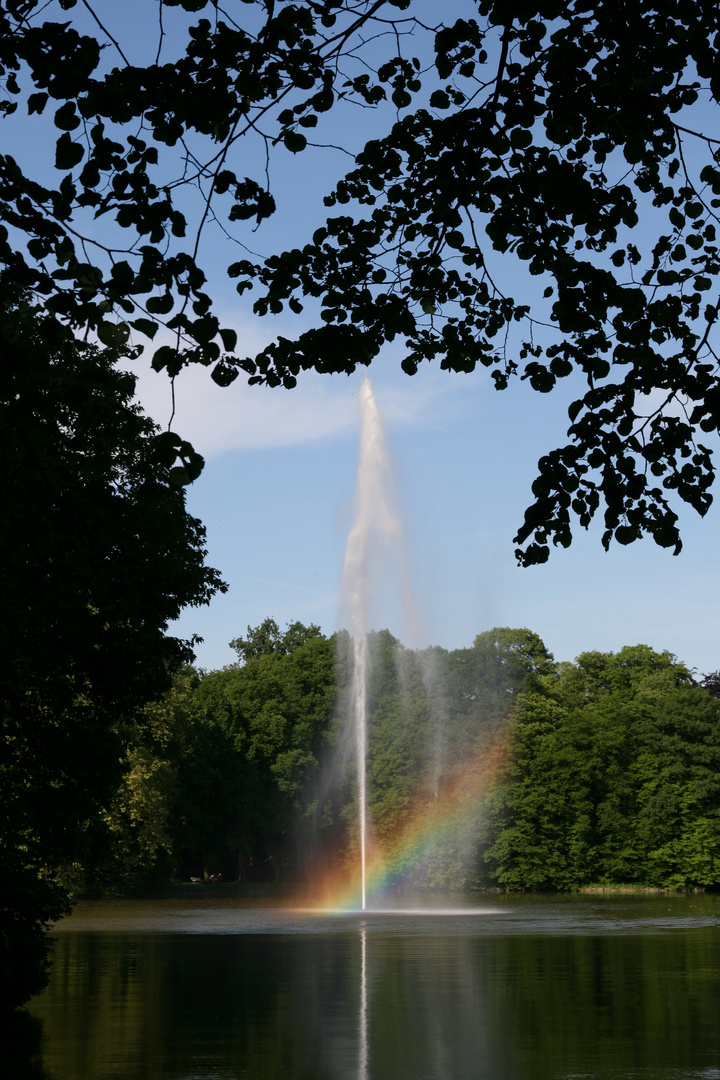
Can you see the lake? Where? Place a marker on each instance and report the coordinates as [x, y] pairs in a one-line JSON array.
[[507, 988]]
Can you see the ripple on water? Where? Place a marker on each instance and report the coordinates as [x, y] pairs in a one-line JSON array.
[[504, 916]]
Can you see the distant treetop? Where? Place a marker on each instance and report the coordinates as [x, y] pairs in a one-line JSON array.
[[267, 639]]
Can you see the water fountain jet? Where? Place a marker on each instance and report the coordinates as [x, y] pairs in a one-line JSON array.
[[375, 535], [376, 519]]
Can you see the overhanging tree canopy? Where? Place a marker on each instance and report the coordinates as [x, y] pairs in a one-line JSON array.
[[576, 138]]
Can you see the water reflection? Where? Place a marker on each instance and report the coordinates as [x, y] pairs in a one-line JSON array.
[[363, 1023], [367, 999]]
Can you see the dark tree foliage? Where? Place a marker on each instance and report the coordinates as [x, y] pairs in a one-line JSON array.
[[272, 713], [612, 778], [98, 556], [576, 140], [134, 843], [220, 774], [711, 683]]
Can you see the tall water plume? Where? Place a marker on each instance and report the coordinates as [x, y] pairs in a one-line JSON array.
[[377, 530]]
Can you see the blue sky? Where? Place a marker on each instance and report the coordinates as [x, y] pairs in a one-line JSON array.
[[277, 492], [278, 489], [277, 498]]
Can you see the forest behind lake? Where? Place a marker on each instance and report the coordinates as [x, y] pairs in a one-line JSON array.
[[488, 767]]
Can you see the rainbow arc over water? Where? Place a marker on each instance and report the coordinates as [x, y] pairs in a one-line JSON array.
[[432, 820]]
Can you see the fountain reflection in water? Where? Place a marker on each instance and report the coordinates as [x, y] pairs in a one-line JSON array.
[[363, 1019], [377, 529]]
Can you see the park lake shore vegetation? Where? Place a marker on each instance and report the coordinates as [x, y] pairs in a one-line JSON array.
[[488, 767]]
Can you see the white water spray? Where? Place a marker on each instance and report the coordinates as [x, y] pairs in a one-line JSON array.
[[376, 520]]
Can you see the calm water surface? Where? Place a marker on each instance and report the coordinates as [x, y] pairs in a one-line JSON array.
[[571, 988]]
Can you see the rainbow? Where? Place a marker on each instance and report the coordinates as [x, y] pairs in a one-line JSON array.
[[430, 822]]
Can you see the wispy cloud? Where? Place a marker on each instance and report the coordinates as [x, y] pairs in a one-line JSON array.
[[241, 417]]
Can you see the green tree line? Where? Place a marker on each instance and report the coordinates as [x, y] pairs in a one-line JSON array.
[[510, 770]]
